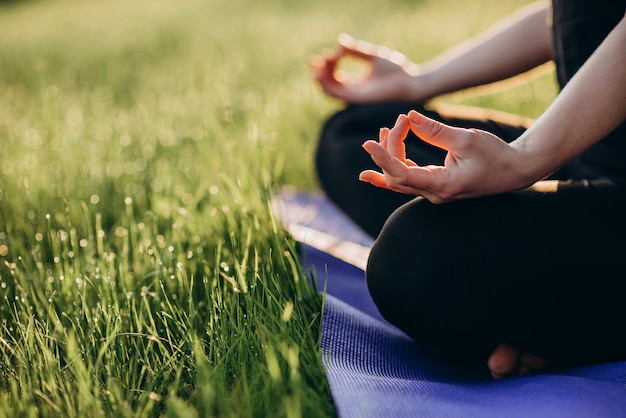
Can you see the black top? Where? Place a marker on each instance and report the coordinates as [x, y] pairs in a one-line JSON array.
[[579, 26]]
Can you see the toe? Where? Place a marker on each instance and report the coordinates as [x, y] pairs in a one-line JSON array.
[[503, 361], [508, 361], [529, 363]]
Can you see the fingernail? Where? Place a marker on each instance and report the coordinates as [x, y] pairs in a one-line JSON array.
[[344, 39], [415, 117], [367, 146]]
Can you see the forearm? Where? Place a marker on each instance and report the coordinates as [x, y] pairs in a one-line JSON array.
[[514, 46], [591, 106]]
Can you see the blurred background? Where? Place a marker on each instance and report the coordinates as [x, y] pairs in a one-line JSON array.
[[95, 91]]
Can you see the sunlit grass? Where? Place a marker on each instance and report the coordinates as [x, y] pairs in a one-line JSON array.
[[141, 270], [128, 321]]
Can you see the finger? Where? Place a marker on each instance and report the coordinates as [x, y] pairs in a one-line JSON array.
[[395, 139], [317, 65], [383, 135], [533, 362], [373, 177], [425, 181], [383, 181], [394, 169], [434, 132], [323, 70], [380, 180], [327, 60], [369, 51], [356, 48]]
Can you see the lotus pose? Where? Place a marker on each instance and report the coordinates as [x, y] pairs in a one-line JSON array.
[[498, 239]]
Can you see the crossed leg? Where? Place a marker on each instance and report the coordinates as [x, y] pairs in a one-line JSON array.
[[519, 281]]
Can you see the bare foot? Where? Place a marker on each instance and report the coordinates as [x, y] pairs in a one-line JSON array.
[[508, 361]]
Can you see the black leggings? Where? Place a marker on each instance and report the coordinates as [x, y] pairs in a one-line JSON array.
[[543, 269]]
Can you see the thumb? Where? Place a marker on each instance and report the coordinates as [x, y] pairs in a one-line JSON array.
[[434, 132]]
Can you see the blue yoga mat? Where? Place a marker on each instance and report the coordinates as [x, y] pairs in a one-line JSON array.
[[374, 370]]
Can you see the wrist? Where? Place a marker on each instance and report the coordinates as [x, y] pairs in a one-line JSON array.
[[419, 87], [532, 164]]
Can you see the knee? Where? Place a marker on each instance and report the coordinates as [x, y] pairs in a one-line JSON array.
[[338, 139], [414, 283], [404, 267]]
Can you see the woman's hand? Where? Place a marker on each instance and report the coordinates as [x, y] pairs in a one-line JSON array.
[[391, 76], [477, 164]]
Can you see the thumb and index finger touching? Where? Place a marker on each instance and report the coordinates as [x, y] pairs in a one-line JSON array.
[[356, 48], [433, 132], [346, 46], [325, 67], [425, 128], [401, 174]]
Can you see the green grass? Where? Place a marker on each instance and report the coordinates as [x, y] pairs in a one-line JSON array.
[[141, 271]]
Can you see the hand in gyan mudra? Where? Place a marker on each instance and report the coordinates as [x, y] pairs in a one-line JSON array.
[[477, 163], [376, 73]]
